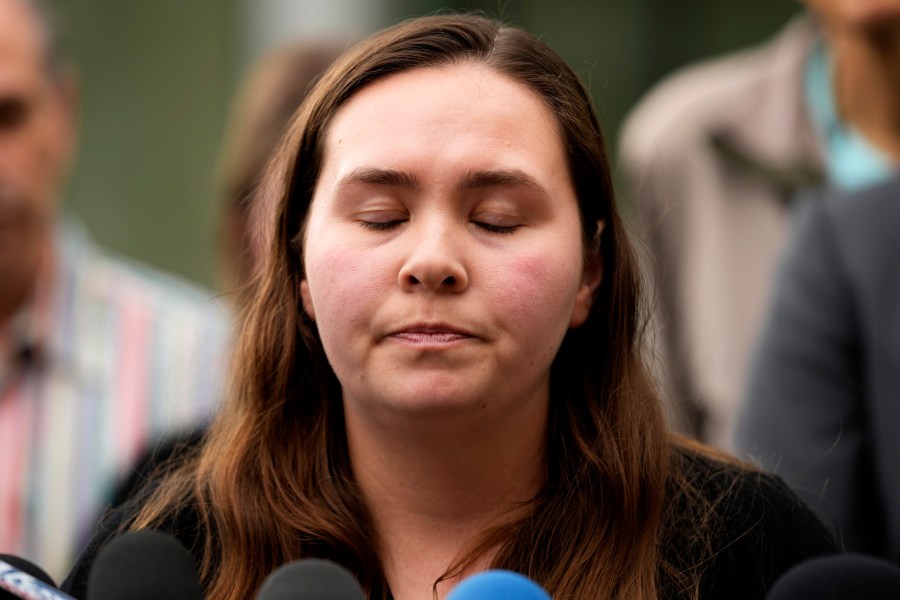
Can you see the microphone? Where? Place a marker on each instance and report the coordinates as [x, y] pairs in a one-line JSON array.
[[311, 579], [498, 584], [22, 579], [144, 565], [839, 577]]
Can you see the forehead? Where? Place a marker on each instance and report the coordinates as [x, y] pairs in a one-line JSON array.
[[446, 115], [21, 44]]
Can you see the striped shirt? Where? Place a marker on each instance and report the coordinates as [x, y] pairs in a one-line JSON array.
[[108, 356]]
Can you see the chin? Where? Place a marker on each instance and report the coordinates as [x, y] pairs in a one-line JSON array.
[[437, 403]]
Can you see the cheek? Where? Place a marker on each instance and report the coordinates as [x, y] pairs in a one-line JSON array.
[[539, 292], [330, 276], [341, 289]]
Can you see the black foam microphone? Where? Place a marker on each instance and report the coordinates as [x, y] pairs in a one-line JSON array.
[[311, 579], [839, 577], [144, 565], [20, 578]]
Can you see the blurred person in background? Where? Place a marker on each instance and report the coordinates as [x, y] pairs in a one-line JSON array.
[[714, 158], [267, 98], [98, 355], [822, 404]]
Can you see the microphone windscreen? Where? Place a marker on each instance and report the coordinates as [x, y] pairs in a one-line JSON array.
[[498, 584], [311, 579], [143, 565], [839, 576], [20, 578], [27, 567]]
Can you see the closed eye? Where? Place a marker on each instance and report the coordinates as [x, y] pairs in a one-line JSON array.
[[382, 225], [495, 222], [381, 218], [493, 228], [13, 113]]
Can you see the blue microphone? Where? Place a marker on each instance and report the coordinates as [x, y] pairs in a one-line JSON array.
[[498, 584]]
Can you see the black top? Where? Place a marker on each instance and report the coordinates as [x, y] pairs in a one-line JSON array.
[[760, 530], [760, 527]]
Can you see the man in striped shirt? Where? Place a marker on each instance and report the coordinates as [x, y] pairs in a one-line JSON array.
[[98, 356]]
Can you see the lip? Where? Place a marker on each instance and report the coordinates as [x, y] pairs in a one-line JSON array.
[[435, 334]]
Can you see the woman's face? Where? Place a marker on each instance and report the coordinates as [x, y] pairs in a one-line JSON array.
[[857, 15], [443, 253]]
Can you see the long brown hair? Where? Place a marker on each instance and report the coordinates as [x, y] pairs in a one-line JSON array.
[[273, 481]]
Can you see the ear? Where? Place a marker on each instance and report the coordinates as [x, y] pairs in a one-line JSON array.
[[306, 297], [591, 278]]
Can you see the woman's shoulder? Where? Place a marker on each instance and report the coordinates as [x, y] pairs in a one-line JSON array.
[[754, 526], [731, 484]]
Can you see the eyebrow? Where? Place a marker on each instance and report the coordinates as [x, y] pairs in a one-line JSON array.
[[500, 178], [471, 180], [375, 176]]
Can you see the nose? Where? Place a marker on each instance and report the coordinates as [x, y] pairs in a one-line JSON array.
[[435, 263]]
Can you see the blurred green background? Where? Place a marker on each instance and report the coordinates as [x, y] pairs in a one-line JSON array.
[[158, 78]]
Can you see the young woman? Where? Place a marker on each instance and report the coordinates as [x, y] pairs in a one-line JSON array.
[[441, 372]]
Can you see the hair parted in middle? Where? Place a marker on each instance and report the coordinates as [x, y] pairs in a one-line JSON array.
[[273, 481]]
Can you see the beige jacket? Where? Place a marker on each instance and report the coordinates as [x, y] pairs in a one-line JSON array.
[[712, 158]]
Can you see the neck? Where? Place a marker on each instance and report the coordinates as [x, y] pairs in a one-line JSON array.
[[434, 485], [867, 88]]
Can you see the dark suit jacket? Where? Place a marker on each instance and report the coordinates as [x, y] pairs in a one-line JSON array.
[[822, 406]]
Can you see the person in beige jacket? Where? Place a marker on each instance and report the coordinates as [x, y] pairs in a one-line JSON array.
[[715, 156]]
